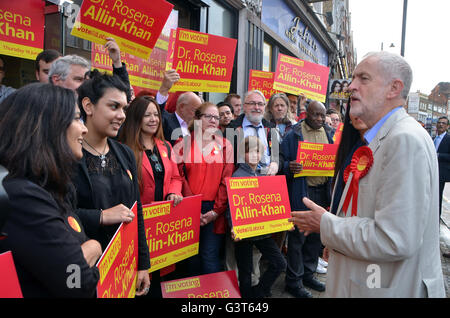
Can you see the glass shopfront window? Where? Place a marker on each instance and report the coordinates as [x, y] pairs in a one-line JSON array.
[[222, 21], [267, 57]]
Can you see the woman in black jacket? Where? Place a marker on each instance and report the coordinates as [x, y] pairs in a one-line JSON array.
[[106, 182], [40, 143]]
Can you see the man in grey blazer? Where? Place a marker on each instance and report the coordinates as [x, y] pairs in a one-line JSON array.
[[391, 247]]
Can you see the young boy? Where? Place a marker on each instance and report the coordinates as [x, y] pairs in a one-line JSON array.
[[254, 150]]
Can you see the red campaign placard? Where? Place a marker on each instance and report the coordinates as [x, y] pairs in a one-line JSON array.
[[262, 81], [172, 39], [217, 285], [135, 25], [338, 134], [297, 76], [9, 287], [172, 232], [255, 207], [22, 28], [144, 74], [204, 61], [118, 264], [317, 159]]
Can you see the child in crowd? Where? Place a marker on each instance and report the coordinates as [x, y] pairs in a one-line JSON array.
[[254, 150]]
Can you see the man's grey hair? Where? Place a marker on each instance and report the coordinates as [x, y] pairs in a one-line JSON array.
[[255, 91], [394, 66], [61, 66]]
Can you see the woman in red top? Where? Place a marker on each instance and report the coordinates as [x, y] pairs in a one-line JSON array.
[[142, 131], [207, 161], [158, 175]]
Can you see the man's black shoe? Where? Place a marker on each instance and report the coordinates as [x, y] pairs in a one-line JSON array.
[[315, 284], [298, 292]]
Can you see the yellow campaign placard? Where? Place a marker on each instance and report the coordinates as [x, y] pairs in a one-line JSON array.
[[262, 228], [203, 86], [93, 34], [216, 285], [161, 261], [18, 50], [110, 257]]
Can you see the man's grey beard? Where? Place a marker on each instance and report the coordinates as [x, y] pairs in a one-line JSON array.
[[254, 119]]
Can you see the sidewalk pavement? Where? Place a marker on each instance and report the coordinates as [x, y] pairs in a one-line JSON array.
[[278, 288]]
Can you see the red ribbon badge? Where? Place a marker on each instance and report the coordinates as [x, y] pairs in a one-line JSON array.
[[361, 163]]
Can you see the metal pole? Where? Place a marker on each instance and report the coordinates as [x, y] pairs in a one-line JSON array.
[[405, 6]]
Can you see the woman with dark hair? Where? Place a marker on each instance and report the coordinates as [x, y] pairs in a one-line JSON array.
[[142, 131], [157, 170], [40, 144], [107, 181], [208, 160], [352, 138]]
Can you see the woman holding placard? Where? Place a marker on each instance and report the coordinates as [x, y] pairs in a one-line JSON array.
[[106, 182], [207, 161], [157, 172]]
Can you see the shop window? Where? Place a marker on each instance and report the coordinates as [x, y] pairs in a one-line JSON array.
[[267, 57], [222, 22]]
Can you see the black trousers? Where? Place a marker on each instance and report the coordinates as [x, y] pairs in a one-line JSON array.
[[303, 251], [244, 260], [441, 192]]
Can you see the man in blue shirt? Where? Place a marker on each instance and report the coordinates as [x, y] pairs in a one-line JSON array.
[[385, 241]]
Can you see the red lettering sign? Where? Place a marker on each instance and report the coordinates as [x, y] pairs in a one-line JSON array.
[[255, 207], [135, 25], [118, 264], [144, 74], [317, 159], [9, 288], [262, 81], [204, 61], [172, 232], [22, 28], [296, 76], [217, 285]]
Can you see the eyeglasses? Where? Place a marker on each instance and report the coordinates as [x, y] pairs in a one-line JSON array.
[[260, 104], [209, 117], [155, 160]]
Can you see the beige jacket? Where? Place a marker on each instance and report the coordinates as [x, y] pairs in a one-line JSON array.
[[391, 248]]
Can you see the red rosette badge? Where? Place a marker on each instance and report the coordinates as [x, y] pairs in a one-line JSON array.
[[360, 165]]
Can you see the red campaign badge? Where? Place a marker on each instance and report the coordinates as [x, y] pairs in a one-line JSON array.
[[74, 224], [360, 165]]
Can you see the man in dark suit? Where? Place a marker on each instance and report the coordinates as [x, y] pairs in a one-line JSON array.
[[175, 125], [252, 123], [442, 144]]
